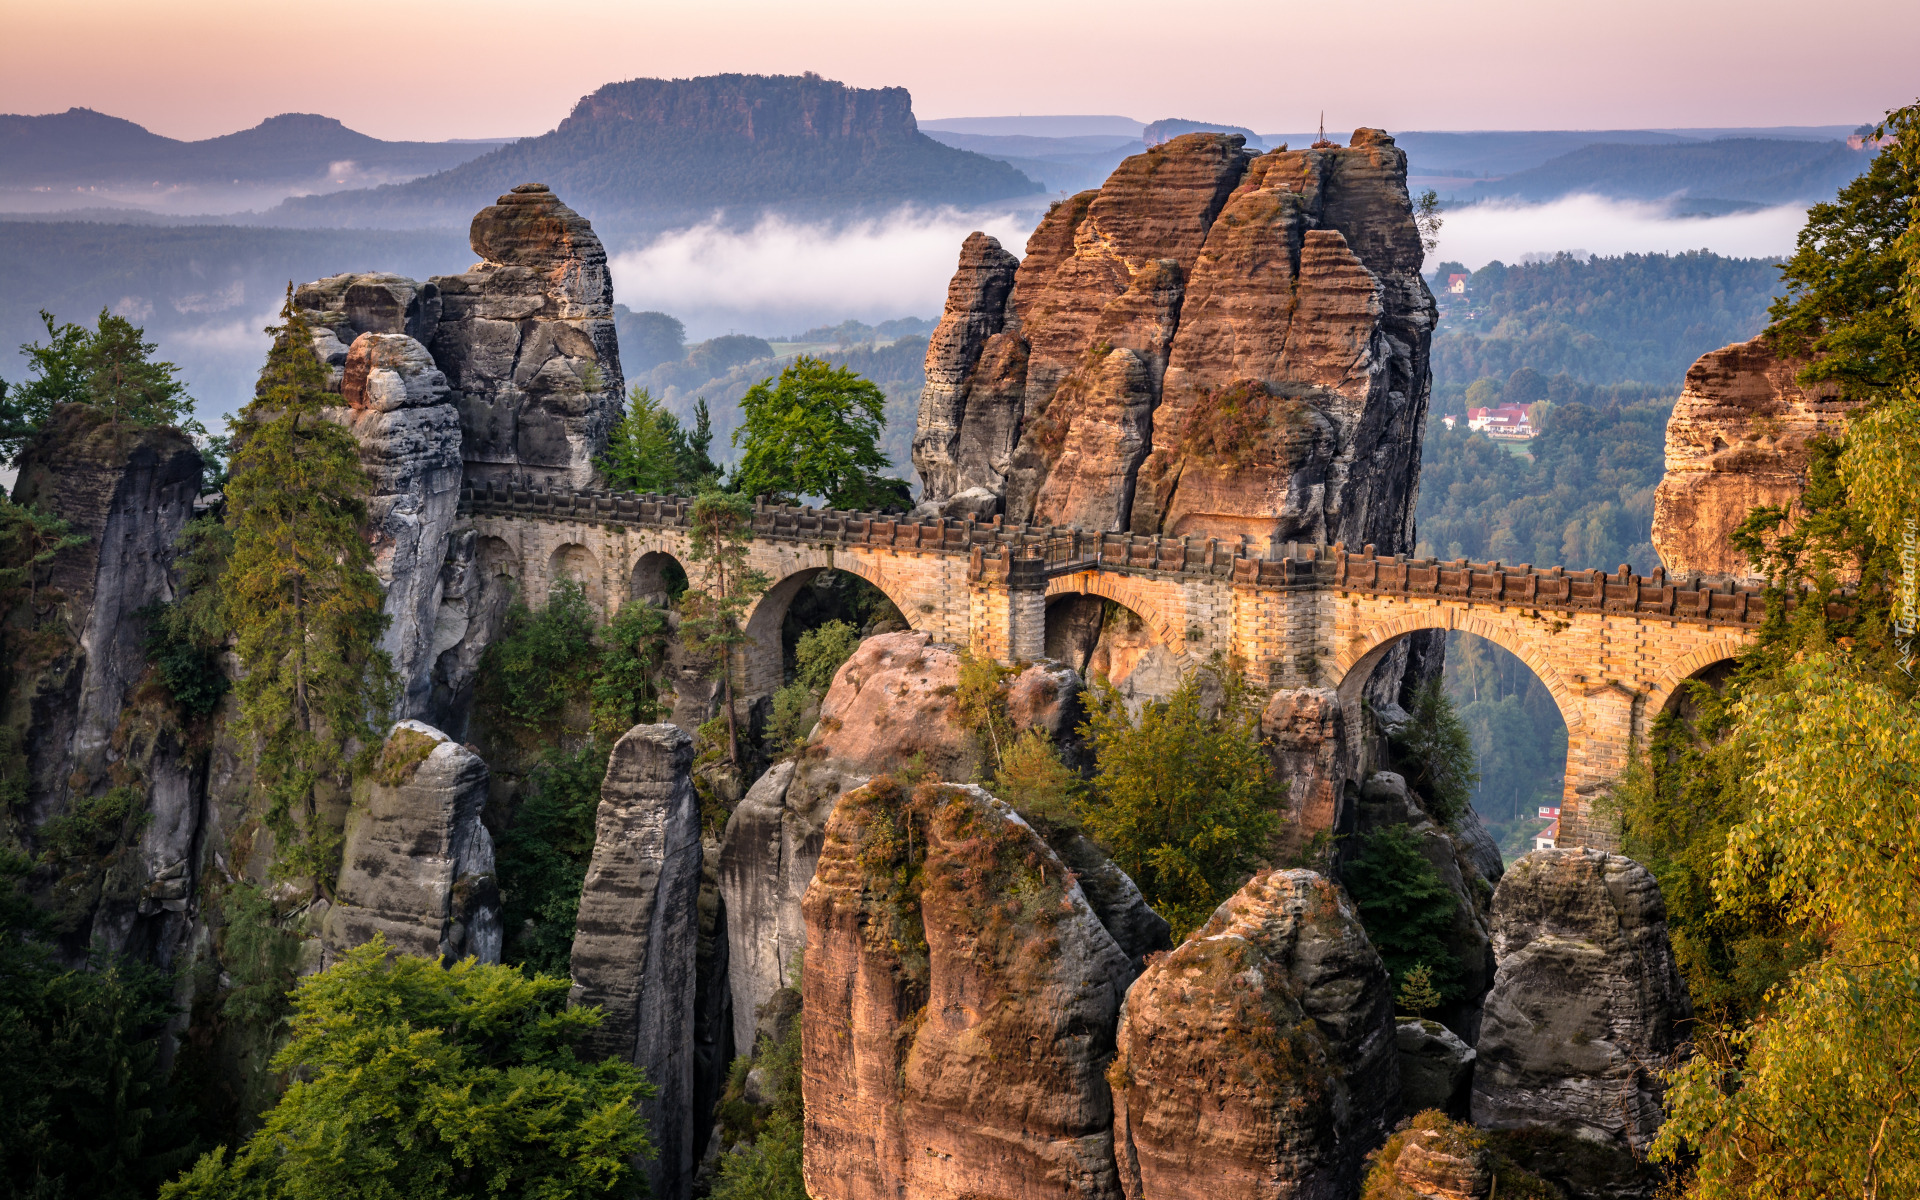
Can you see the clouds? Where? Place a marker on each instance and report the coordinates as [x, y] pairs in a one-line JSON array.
[[1479, 233], [781, 276]]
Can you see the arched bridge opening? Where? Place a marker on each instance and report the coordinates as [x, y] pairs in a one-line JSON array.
[[808, 599], [1102, 638]]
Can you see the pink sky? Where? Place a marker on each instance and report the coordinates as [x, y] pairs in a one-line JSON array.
[[430, 69]]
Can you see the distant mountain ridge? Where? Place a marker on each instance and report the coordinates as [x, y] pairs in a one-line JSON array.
[[649, 151], [83, 147], [1725, 172]]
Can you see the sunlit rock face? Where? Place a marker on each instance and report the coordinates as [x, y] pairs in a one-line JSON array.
[[1212, 343], [1737, 440]]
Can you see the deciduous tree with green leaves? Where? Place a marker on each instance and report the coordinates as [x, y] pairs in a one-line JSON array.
[[1183, 796], [815, 432], [416, 1080], [300, 594]]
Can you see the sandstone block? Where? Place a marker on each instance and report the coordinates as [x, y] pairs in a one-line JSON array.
[[418, 864], [636, 941], [1258, 1058], [956, 1028], [1587, 1001]]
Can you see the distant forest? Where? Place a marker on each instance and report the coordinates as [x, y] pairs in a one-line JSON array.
[[1635, 319]]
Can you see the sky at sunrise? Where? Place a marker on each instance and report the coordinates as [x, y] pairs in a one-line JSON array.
[[431, 69]]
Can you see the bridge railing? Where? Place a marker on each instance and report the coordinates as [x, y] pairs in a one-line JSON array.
[[1027, 555]]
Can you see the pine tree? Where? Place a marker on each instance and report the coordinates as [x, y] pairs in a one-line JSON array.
[[722, 526], [301, 597], [125, 384]]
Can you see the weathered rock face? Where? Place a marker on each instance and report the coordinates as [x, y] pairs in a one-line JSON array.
[[1258, 1058], [398, 408], [526, 339], [1435, 1067], [1737, 439], [1433, 1160], [956, 1032], [342, 307], [1305, 730], [1586, 1003], [890, 706], [418, 864], [1213, 343], [77, 711], [636, 943], [1385, 801]]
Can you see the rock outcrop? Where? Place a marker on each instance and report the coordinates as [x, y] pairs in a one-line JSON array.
[[1213, 343], [1258, 1058], [1737, 439], [526, 339], [1432, 1160], [1305, 731], [418, 864], [77, 717], [1587, 1002], [636, 940], [398, 408], [1435, 1067], [891, 707], [1385, 802], [960, 1000]]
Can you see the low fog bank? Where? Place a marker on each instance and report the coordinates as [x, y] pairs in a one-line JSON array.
[[1479, 233]]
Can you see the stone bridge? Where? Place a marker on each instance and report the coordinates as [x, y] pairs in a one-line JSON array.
[[1612, 649]]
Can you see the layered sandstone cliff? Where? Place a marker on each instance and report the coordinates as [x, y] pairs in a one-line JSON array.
[[1738, 439], [961, 997], [418, 864], [1212, 343], [1257, 1060]]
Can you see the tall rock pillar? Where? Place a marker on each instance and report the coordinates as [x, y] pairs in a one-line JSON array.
[[636, 942]]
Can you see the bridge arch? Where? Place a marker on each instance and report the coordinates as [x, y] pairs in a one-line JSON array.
[[1356, 661], [657, 577], [765, 667], [1698, 661], [571, 560], [1125, 591]]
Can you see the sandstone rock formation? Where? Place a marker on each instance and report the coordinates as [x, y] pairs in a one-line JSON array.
[[79, 725], [1258, 1058], [1433, 1159], [1307, 737], [526, 338], [1586, 1004], [418, 864], [1386, 801], [956, 1027], [1737, 439], [1435, 1066], [891, 707], [342, 307], [635, 945], [398, 408], [1213, 343]]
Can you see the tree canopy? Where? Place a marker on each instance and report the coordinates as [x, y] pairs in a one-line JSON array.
[[109, 369], [815, 432], [417, 1080], [649, 451]]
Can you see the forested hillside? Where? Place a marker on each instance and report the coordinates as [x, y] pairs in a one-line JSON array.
[[1636, 318], [1739, 172]]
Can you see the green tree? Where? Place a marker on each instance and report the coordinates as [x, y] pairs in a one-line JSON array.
[[768, 1167], [125, 384], [626, 687], [814, 432], [1435, 753], [1406, 907], [722, 530], [641, 452], [544, 855], [1822, 1098], [1842, 308], [1183, 796], [541, 662], [85, 1109], [818, 656], [301, 597], [413, 1079]]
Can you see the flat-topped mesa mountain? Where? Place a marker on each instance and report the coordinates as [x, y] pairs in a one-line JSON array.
[[1738, 439], [650, 151], [1214, 343]]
